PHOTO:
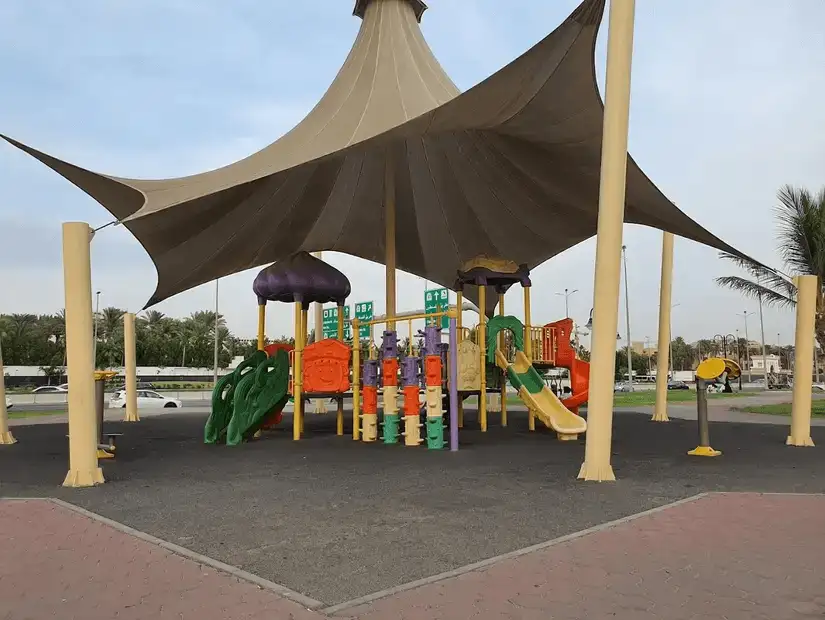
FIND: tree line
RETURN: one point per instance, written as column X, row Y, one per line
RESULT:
column 40, row 340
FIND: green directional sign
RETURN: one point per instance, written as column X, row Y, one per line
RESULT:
column 437, row 300
column 330, row 323
column 363, row 312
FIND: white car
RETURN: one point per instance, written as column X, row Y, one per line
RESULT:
column 9, row 404
column 146, row 399
column 51, row 389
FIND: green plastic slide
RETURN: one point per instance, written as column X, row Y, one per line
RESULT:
column 245, row 399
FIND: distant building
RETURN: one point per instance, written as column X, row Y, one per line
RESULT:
column 772, row 361
column 639, row 347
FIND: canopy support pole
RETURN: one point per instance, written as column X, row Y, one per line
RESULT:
column 663, row 345
column 389, row 241
column 6, row 438
column 807, row 293
column 77, row 277
column 130, row 355
column 613, row 179
column 501, row 341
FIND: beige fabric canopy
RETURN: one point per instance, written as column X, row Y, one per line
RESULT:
column 509, row 168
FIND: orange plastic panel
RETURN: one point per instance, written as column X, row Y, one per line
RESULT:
column 563, row 351
column 370, row 402
column 326, row 367
column 411, row 404
column 390, row 371
column 432, row 369
column 270, row 349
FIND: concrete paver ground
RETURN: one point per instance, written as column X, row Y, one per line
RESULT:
column 336, row 519
column 734, row 556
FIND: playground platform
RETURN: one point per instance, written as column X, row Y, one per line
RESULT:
column 334, row 521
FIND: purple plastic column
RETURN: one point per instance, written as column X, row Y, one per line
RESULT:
column 370, row 373
column 409, row 371
column 453, row 387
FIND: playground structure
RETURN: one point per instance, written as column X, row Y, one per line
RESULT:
column 408, row 146
column 253, row 396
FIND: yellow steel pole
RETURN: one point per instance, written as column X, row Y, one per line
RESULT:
column 528, row 349
column 6, row 438
column 596, row 465
column 340, row 326
column 663, row 346
column 297, row 375
column 261, row 326
column 806, row 297
column 318, row 312
column 482, row 346
column 356, row 380
column 389, row 241
column 77, row 277
column 304, row 338
column 130, row 355
column 503, row 376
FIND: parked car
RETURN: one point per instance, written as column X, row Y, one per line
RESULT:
column 147, row 399
column 677, row 385
column 51, row 389
column 9, row 404
column 622, row 387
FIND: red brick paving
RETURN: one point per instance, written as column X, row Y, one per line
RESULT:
column 721, row 556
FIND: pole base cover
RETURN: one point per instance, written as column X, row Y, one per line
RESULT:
column 704, row 451
column 6, row 438
column 79, row 479
column 791, row 441
column 596, row 473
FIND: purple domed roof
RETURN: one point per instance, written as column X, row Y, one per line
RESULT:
column 301, row 277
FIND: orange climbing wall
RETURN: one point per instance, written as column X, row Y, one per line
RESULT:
column 326, row 366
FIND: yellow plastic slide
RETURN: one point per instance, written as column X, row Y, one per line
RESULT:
column 539, row 398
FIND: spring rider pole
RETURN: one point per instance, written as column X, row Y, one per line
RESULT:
column 412, row 405
column 389, row 379
column 433, row 369
column 369, row 408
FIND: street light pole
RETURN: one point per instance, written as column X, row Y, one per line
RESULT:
column 94, row 337
column 764, row 353
column 670, row 344
column 745, row 314
column 627, row 317
column 567, row 293
column 215, row 370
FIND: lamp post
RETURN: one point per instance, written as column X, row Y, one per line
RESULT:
column 94, row 337
column 764, row 353
column 566, row 294
column 745, row 314
column 627, row 319
column 670, row 344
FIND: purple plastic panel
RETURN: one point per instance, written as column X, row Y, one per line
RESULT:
column 301, row 277
column 389, row 345
column 432, row 340
column 370, row 373
column 409, row 371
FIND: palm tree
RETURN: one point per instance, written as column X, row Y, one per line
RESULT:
column 801, row 225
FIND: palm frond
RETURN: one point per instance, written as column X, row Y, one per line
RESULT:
column 756, row 290
column 801, row 223
column 767, row 277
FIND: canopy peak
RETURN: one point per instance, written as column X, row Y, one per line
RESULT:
column 361, row 6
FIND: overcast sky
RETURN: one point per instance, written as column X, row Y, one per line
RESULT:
column 727, row 106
